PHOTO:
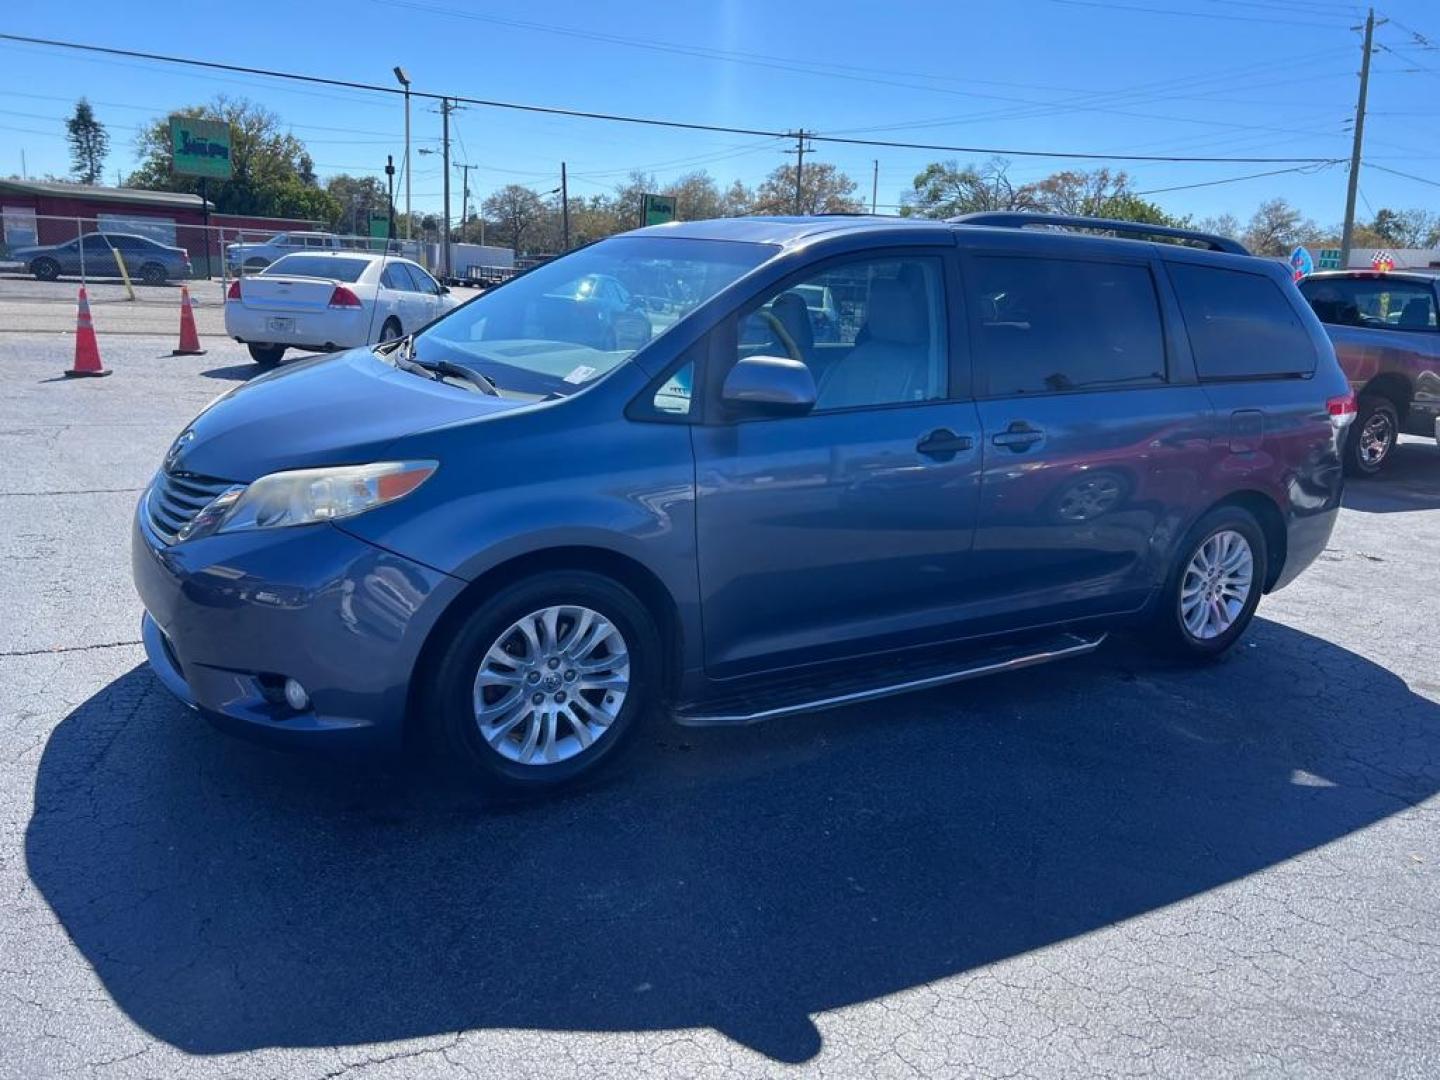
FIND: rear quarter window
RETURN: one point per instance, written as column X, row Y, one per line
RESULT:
column 1241, row 325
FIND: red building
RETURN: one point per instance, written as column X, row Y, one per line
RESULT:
column 47, row 212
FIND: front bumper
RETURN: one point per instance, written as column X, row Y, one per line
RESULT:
column 229, row 617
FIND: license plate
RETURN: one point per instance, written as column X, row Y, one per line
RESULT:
column 280, row 326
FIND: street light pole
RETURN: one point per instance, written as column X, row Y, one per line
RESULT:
column 405, row 82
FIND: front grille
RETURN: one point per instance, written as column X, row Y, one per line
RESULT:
column 175, row 499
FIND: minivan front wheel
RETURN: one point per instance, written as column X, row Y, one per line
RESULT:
column 545, row 681
column 1215, row 585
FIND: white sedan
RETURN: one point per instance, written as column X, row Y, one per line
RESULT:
column 325, row 300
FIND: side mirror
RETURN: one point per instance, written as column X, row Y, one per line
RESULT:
column 444, row 289
column 769, row 386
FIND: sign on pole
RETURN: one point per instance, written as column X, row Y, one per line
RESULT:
column 657, row 209
column 200, row 148
column 1329, row 259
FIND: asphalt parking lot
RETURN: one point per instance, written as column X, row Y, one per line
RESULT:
column 1113, row 867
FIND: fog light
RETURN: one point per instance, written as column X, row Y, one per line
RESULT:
column 295, row 696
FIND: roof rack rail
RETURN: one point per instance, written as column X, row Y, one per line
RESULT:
column 1008, row 219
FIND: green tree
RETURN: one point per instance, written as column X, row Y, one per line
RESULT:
column 697, row 196
column 356, row 198
column 1276, row 228
column 1406, row 228
column 824, row 189
column 89, row 143
column 274, row 176
column 946, row 189
column 516, row 214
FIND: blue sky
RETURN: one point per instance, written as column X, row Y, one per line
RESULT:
column 1191, row 77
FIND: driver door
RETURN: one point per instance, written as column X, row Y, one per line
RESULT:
column 847, row 529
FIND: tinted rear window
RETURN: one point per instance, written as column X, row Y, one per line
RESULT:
column 1045, row 326
column 1241, row 325
column 1378, row 303
column 317, row 266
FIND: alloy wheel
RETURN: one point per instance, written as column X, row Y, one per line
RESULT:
column 1216, row 584
column 551, row 685
column 1376, row 438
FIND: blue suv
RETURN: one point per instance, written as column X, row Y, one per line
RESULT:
column 515, row 535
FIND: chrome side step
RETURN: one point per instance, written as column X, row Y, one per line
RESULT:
column 1060, row 647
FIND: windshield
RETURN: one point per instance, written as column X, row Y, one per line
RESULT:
column 329, row 267
column 568, row 322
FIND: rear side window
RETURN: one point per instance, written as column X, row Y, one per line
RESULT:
column 1241, row 325
column 1046, row 326
column 1377, row 303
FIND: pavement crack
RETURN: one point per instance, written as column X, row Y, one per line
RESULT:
column 70, row 649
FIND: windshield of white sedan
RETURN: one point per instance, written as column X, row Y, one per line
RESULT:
column 317, row 266
column 568, row 322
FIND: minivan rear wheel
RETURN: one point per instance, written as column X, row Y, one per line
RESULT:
column 545, row 681
column 1214, row 587
column 1371, row 438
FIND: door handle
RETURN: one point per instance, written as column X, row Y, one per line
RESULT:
column 943, row 444
column 1019, row 438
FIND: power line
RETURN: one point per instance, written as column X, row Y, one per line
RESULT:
column 1406, row 175
column 1231, row 180
column 1192, row 14
column 642, row 120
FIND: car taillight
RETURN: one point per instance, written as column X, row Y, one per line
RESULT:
column 234, row 292
column 1341, row 409
column 343, row 298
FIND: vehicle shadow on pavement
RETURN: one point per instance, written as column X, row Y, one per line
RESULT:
column 231, row 898
column 1409, row 481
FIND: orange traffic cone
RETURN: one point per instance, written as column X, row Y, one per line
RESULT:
column 87, row 349
column 189, row 337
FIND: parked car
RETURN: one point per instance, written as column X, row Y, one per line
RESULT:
column 603, row 313
column 497, row 535
column 1385, row 334
column 331, row 301
column 94, row 256
column 240, row 257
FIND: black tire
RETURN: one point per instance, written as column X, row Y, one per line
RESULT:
column 391, row 330
column 267, row 356
column 153, row 274
column 45, row 269
column 1370, row 442
column 1170, row 632
column 449, row 698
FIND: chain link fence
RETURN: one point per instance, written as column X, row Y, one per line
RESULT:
column 44, row 258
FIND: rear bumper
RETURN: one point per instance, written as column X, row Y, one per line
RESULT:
column 228, row 618
column 307, row 330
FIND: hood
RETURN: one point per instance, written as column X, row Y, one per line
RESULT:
column 343, row 409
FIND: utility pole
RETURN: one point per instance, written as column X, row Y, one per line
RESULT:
column 445, row 162
column 465, row 196
column 390, row 181
column 799, row 171
column 1349, row 231
column 875, row 187
column 564, row 208
column 405, row 82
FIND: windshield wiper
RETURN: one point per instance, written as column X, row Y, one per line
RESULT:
column 403, row 356
column 455, row 370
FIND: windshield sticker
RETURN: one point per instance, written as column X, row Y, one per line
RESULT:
column 580, row 374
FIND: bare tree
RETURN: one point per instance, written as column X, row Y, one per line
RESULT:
column 945, row 189
column 517, row 213
column 824, row 189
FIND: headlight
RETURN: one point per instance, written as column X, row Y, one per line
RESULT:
column 305, row 496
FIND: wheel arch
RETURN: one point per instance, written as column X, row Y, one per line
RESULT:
column 1267, row 513
column 1393, row 386
column 620, row 568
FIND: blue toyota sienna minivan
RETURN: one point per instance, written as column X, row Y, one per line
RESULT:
column 517, row 532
